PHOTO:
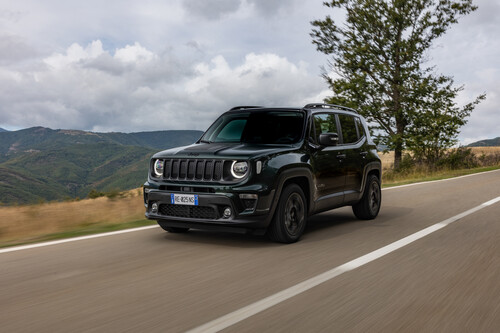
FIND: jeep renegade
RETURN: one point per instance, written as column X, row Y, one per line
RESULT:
column 266, row 170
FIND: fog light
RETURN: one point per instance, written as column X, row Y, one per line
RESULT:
column 154, row 207
column 227, row 212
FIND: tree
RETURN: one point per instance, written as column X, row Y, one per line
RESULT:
column 377, row 65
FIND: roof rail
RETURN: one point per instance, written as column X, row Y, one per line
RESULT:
column 243, row 107
column 328, row 106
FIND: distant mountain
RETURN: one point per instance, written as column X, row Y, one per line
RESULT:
column 3, row 130
column 43, row 164
column 486, row 143
column 41, row 138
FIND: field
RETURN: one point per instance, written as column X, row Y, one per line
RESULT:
column 31, row 223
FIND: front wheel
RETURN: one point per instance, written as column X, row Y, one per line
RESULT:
column 369, row 205
column 290, row 218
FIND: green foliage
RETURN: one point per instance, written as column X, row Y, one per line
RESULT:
column 459, row 158
column 377, row 66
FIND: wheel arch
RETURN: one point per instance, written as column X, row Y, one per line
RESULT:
column 301, row 176
column 372, row 168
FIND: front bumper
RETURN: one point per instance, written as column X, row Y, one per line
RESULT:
column 209, row 213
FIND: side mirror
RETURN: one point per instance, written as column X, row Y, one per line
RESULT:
column 328, row 139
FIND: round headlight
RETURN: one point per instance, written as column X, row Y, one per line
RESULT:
column 158, row 167
column 239, row 169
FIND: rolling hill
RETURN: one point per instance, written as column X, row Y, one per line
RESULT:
column 40, row 164
column 3, row 130
column 486, row 143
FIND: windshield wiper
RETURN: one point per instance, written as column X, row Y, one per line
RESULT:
column 205, row 141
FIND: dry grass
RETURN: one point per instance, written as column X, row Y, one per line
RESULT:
column 388, row 158
column 28, row 223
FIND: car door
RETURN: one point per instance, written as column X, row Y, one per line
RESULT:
column 327, row 162
column 353, row 144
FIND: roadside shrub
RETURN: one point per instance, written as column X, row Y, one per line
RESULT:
column 459, row 158
column 451, row 159
column 112, row 194
column 95, row 194
column 489, row 160
column 408, row 164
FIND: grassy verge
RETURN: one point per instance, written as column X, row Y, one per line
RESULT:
column 56, row 220
column 438, row 175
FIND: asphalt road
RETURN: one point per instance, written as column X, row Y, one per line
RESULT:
column 153, row 281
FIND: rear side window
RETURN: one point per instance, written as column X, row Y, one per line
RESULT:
column 359, row 125
column 349, row 131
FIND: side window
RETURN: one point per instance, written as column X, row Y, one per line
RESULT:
column 349, row 131
column 359, row 126
column 324, row 123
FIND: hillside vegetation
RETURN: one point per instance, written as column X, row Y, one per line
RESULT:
column 486, row 143
column 39, row 164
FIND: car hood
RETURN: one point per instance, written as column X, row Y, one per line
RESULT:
column 224, row 150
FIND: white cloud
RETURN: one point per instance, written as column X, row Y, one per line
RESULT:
column 87, row 87
column 263, row 79
column 74, row 54
column 134, row 53
column 134, row 66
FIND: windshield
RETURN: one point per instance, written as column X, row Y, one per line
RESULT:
column 260, row 127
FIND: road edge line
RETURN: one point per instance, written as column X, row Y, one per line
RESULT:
column 74, row 239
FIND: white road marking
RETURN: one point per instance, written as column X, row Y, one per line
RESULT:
column 259, row 306
column 31, row 246
column 74, row 239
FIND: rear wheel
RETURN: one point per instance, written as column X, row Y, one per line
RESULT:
column 290, row 218
column 369, row 205
column 174, row 230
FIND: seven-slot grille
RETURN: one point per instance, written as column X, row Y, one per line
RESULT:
column 193, row 169
column 196, row 212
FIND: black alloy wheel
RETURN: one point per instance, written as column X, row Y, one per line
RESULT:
column 369, row 205
column 290, row 217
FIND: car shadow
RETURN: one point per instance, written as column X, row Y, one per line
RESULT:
column 327, row 225
column 215, row 238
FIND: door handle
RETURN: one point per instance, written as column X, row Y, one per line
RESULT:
column 363, row 153
column 341, row 156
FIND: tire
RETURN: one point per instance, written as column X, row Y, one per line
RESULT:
column 290, row 217
column 369, row 205
column 174, row 230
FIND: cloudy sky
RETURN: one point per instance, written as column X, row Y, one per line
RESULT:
column 150, row 65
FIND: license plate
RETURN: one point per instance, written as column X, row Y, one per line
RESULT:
column 184, row 199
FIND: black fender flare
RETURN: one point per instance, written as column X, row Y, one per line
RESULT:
column 375, row 165
column 288, row 174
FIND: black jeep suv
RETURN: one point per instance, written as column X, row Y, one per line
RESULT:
column 266, row 170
